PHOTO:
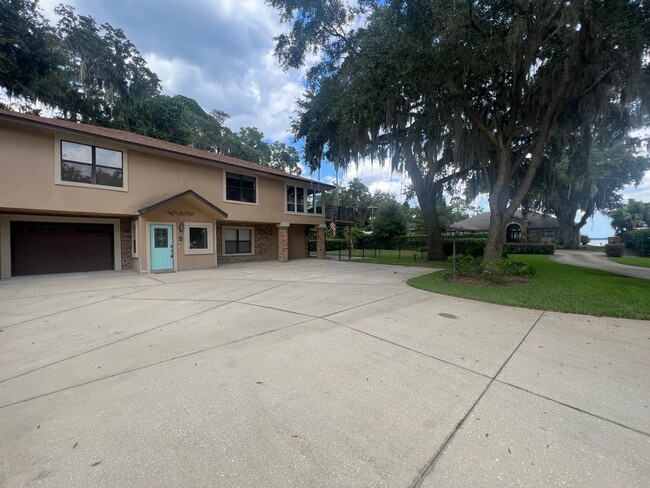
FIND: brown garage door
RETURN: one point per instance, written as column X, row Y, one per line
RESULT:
column 57, row 247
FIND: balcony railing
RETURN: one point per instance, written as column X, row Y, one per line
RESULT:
column 338, row 213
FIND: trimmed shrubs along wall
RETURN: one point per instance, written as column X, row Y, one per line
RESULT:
column 529, row 248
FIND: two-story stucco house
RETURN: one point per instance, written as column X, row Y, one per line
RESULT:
column 76, row 197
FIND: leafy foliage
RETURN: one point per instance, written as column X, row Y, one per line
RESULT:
column 91, row 72
column 614, row 250
column 629, row 216
column 390, row 221
column 493, row 272
column 441, row 86
column 639, row 240
column 29, row 53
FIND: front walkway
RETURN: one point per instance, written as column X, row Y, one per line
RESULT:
column 311, row 374
column 596, row 260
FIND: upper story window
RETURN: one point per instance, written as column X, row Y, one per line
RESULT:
column 314, row 201
column 241, row 188
column 81, row 163
column 300, row 200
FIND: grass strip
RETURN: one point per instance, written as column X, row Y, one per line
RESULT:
column 633, row 261
column 556, row 287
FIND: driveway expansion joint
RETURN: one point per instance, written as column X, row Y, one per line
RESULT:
column 429, row 467
column 573, row 407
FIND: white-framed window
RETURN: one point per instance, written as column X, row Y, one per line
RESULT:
column 314, row 201
column 134, row 239
column 240, row 188
column 301, row 200
column 91, row 165
column 238, row 240
column 198, row 238
column 549, row 233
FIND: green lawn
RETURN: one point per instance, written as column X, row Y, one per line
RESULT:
column 633, row 261
column 556, row 287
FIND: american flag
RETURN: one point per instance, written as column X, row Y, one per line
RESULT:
column 333, row 226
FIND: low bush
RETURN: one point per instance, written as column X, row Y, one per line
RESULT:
column 584, row 239
column 466, row 266
column 529, row 248
column 517, row 268
column 614, row 250
column 488, row 271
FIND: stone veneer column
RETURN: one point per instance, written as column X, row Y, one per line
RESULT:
column 321, row 251
column 283, row 242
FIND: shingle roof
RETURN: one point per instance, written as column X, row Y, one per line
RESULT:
column 481, row 222
column 138, row 140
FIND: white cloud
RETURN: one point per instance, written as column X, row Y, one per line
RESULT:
column 641, row 192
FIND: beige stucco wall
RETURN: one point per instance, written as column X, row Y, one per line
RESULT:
column 30, row 183
column 30, row 162
column 298, row 241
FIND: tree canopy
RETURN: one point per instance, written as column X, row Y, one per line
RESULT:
column 443, row 87
column 90, row 72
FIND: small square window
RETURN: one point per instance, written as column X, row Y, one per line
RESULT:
column 198, row 238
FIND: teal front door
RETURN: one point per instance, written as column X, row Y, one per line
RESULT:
column 162, row 247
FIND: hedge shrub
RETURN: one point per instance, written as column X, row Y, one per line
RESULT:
column 614, row 250
column 639, row 240
column 472, row 246
column 529, row 248
column 336, row 244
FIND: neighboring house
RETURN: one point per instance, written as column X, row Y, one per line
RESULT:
column 76, row 197
column 536, row 228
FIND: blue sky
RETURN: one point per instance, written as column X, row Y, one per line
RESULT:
column 220, row 52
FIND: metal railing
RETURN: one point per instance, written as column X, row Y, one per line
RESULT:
column 338, row 213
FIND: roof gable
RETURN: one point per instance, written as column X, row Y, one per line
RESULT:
column 191, row 196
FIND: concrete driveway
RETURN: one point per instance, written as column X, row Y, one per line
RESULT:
column 597, row 260
column 311, row 373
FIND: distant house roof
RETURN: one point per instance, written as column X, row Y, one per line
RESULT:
column 481, row 222
column 150, row 143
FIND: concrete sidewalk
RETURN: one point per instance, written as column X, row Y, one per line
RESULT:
column 311, row 373
column 596, row 260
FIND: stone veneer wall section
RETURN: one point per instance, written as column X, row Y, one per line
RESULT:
column 263, row 243
column 320, row 243
column 125, row 238
column 283, row 243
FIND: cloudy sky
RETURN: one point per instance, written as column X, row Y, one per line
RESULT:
column 220, row 53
